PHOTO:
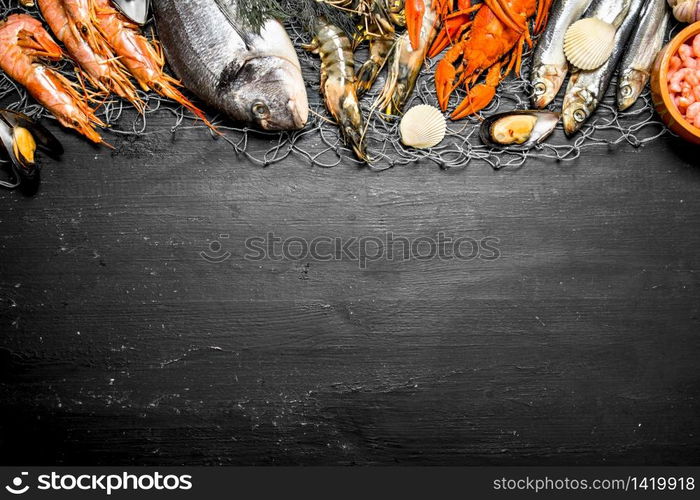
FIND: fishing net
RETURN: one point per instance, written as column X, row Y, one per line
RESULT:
column 319, row 143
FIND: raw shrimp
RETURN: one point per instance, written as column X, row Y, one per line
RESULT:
column 143, row 59
column 23, row 44
column 338, row 83
column 89, row 50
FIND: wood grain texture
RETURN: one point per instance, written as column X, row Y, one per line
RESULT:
column 119, row 344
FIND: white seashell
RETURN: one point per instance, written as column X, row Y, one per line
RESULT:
column 423, row 127
column 589, row 42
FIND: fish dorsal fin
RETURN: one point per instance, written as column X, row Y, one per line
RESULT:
column 231, row 18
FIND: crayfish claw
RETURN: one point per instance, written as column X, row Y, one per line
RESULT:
column 479, row 97
column 415, row 10
column 448, row 74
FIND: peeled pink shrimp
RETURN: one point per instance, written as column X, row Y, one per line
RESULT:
column 693, row 111
column 683, row 103
column 685, row 51
column 686, row 54
column 684, row 80
column 674, row 65
column 677, row 78
column 696, row 45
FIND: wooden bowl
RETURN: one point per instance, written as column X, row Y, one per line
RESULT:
column 659, row 87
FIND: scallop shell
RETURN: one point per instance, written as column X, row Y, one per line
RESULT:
column 423, row 127
column 589, row 42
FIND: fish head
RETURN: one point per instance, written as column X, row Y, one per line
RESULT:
column 546, row 82
column 579, row 105
column 270, row 92
column 631, row 84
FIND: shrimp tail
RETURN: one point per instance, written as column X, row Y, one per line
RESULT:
column 166, row 87
column 120, row 84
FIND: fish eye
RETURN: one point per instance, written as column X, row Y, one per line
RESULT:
column 626, row 91
column 579, row 115
column 84, row 29
column 540, row 88
column 260, row 109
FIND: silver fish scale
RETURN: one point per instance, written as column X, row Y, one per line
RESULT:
column 610, row 11
column 648, row 37
column 202, row 38
column 230, row 67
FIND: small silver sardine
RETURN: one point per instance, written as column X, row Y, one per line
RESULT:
column 549, row 64
column 252, row 77
column 611, row 11
column 587, row 88
column 646, row 42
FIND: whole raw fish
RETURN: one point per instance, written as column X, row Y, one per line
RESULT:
column 587, row 88
column 252, row 77
column 646, row 42
column 549, row 64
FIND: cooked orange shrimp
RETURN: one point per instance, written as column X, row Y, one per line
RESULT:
column 23, row 43
column 143, row 59
column 89, row 49
column 79, row 12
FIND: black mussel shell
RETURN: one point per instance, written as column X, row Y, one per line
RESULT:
column 24, row 169
column 15, row 127
column 45, row 140
column 546, row 122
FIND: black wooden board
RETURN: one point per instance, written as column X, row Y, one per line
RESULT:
column 120, row 344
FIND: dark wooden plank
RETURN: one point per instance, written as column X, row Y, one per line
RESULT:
column 120, row 344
